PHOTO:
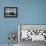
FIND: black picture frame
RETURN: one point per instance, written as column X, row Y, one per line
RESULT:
column 11, row 12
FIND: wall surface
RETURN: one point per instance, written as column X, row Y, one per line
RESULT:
column 29, row 12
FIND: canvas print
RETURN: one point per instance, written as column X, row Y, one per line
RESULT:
column 10, row 11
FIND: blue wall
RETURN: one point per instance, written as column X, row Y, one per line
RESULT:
column 29, row 12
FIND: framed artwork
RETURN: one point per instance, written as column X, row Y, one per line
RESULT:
column 10, row 11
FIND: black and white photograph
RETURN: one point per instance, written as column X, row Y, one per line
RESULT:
column 10, row 11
